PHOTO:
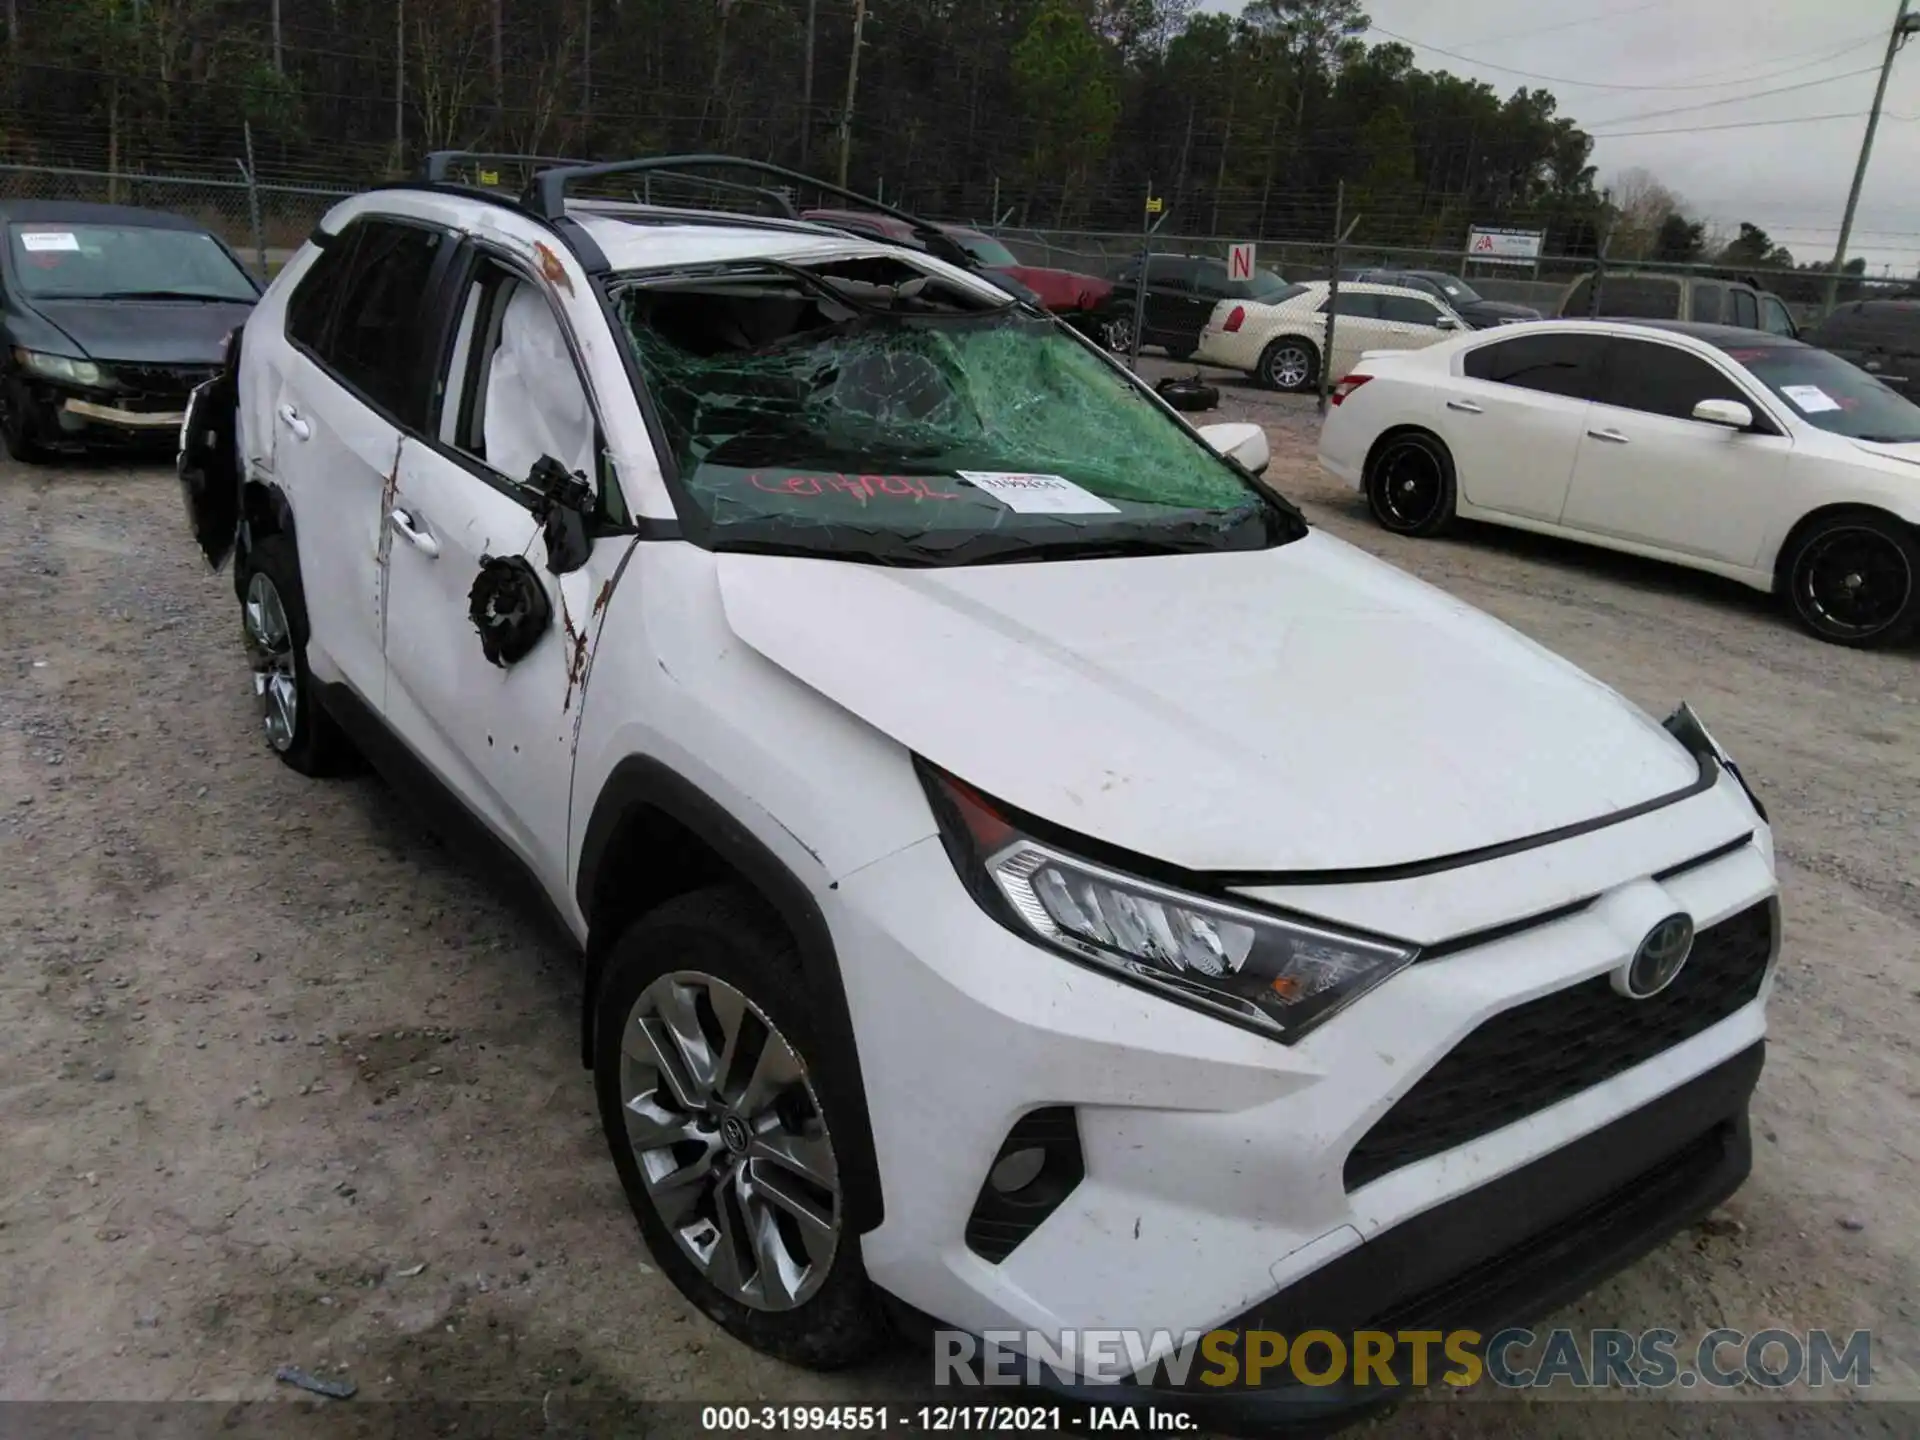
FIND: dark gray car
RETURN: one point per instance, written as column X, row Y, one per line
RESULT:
column 110, row 315
column 1472, row 307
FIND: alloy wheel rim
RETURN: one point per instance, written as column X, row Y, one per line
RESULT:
column 1853, row 582
column 1410, row 485
column 1119, row 335
column 1290, row 367
column 729, row 1140
column 270, row 649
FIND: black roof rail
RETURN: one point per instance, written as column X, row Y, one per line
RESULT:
column 729, row 187
column 546, row 195
column 434, row 169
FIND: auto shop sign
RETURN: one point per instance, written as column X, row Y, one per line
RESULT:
column 1504, row 247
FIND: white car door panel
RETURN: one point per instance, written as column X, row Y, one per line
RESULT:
column 1650, row 473
column 1514, row 419
column 502, row 736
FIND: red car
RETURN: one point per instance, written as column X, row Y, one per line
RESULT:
column 1064, row 292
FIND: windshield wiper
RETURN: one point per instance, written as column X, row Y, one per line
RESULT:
column 154, row 295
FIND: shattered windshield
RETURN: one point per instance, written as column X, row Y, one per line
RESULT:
column 869, row 410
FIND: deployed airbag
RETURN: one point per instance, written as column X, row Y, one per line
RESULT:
column 536, row 404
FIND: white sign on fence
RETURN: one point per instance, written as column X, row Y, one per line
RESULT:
column 1504, row 247
column 1240, row 262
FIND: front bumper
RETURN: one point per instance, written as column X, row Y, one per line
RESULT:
column 1215, row 1158
column 1506, row 1254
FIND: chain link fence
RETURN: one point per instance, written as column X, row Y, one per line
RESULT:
column 267, row 219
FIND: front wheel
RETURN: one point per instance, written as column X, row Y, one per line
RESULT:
column 1117, row 335
column 1288, row 364
column 723, row 1128
column 19, row 425
column 1410, row 485
column 1854, row 579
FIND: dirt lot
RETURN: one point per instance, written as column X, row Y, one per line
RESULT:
column 266, row 1050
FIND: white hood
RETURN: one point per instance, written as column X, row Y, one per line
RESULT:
column 1301, row 708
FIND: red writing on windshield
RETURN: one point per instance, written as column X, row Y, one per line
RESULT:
column 908, row 487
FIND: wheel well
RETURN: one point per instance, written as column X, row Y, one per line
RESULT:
column 1784, row 557
column 649, row 858
column 1306, row 340
column 264, row 510
column 1394, row 433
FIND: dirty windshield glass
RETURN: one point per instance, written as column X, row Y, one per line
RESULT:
column 1826, row 391
column 56, row 261
column 865, row 409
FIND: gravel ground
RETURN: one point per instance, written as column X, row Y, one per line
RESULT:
column 284, row 1083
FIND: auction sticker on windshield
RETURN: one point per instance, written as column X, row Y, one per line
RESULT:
column 1810, row 398
column 1038, row 494
column 49, row 240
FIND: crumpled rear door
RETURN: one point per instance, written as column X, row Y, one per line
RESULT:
column 209, row 462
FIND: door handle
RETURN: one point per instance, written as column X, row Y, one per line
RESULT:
column 405, row 527
column 1466, row 407
column 290, row 418
column 1612, row 437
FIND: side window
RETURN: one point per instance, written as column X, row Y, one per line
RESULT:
column 1210, row 282
column 1168, row 272
column 515, row 393
column 311, row 306
column 375, row 341
column 1359, row 304
column 1775, row 319
column 1578, row 299
column 1567, row 365
column 1742, row 309
column 1706, row 303
column 1405, row 310
column 1663, row 379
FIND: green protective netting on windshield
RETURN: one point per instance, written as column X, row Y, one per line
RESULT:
column 915, row 401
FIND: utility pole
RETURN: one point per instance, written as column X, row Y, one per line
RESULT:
column 806, row 89
column 853, row 81
column 1904, row 24
column 279, row 68
column 399, row 84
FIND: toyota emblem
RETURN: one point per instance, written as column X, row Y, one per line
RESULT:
column 1659, row 959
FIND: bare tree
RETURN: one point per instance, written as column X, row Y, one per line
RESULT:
column 1644, row 204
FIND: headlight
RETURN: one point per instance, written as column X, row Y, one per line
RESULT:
column 59, row 367
column 1264, row 971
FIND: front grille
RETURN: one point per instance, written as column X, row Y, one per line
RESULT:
column 159, row 387
column 1540, row 1053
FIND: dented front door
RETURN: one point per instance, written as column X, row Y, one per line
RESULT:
column 500, row 735
column 209, row 460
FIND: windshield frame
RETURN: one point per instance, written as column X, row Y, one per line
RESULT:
column 967, row 241
column 14, row 248
column 692, row 521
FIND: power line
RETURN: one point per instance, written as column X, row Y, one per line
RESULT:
column 1694, row 84
column 1562, row 25
column 1734, row 125
column 1734, row 99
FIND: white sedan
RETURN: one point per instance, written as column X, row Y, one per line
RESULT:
column 1735, row 451
column 1284, row 343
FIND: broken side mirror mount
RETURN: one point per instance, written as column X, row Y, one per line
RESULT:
column 563, row 505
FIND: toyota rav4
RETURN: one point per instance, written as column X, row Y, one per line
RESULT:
column 1026, row 875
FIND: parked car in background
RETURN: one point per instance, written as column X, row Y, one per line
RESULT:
column 1067, row 293
column 110, row 316
column 1750, row 455
column 1703, row 299
column 1455, row 294
column 1182, row 291
column 1882, row 337
column 1283, row 343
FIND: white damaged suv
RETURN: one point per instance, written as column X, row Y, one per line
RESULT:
column 1026, row 875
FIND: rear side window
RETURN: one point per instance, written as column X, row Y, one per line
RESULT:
column 1775, row 318
column 1358, row 304
column 375, row 338
column 1567, row 365
column 311, row 306
column 1742, row 310
column 1634, row 297
column 1579, row 299
column 1661, row 379
column 1706, row 303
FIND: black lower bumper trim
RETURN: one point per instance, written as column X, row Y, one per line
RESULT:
column 1509, row 1252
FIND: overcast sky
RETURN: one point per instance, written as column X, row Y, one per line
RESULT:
column 1683, row 66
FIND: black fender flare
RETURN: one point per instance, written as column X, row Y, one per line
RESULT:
column 642, row 783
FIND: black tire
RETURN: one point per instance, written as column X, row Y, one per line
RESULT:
column 1116, row 334
column 727, row 934
column 313, row 744
column 1854, row 579
column 1410, row 484
column 1289, row 363
column 19, row 426
column 1180, row 353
